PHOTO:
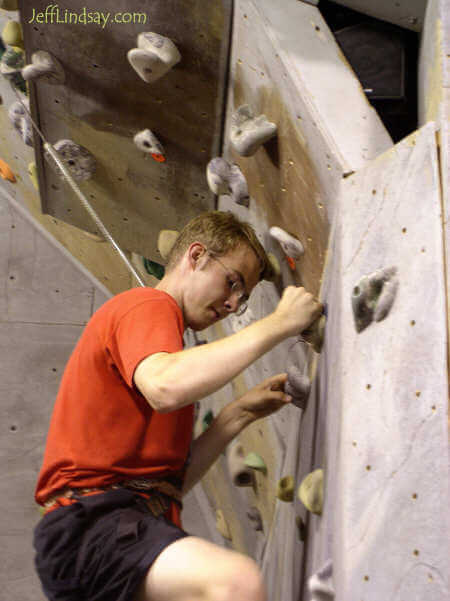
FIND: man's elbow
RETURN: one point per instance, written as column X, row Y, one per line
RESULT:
column 158, row 396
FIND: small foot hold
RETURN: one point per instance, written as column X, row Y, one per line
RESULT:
column 298, row 386
column 256, row 462
column 166, row 241
column 146, row 141
column 255, row 518
column 240, row 474
column 285, row 489
column 21, row 121
column 321, row 583
column 32, row 172
column 248, row 132
column 291, row 246
column 12, row 34
column 226, row 178
column 153, row 268
column 78, row 160
column 301, row 527
column 207, row 420
column 315, row 334
column 44, row 66
column 154, row 56
column 276, row 268
column 373, row 297
column 222, row 526
column 6, row 172
column 310, row 491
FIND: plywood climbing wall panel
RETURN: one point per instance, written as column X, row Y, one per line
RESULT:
column 104, row 103
column 383, row 442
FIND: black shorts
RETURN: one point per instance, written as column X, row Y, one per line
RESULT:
column 100, row 548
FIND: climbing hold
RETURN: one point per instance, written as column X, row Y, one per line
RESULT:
column 275, row 265
column 298, row 386
column 285, row 490
column 13, row 60
column 291, row 246
column 44, row 65
column 32, row 172
column 310, row 491
column 320, row 584
column 154, row 56
column 291, row 263
column 6, row 172
column 373, row 297
column 21, row 121
column 153, row 268
column 224, row 178
column 254, row 516
column 207, row 420
column 146, row 141
column 9, row 4
column 301, row 528
column 256, row 462
column 240, row 474
column 166, row 240
column 12, row 34
column 315, row 334
column 248, row 132
column 222, row 526
column 77, row 159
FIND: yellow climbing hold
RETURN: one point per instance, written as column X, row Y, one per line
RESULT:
column 285, row 490
column 12, row 34
column 256, row 462
column 166, row 240
column 222, row 526
column 310, row 491
column 275, row 264
column 32, row 172
column 6, row 172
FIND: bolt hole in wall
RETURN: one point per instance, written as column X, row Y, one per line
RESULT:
column 385, row 59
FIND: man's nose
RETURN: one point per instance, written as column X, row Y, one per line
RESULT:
column 232, row 303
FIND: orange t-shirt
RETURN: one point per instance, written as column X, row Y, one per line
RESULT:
column 102, row 429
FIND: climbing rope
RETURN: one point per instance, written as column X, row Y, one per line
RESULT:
column 84, row 201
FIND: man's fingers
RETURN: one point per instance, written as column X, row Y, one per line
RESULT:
column 276, row 381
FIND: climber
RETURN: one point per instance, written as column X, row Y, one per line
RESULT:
column 119, row 454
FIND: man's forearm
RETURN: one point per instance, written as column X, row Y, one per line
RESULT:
column 207, row 447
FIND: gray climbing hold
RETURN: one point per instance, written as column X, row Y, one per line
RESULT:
column 291, row 246
column 256, row 462
column 315, row 334
column 226, row 178
column 298, row 386
column 44, row 66
column 248, row 132
column 78, row 160
column 166, row 240
column 373, row 297
column 240, row 474
column 21, row 121
column 146, row 141
column 310, row 491
column 154, row 56
column 285, row 489
column 255, row 518
column 320, row 584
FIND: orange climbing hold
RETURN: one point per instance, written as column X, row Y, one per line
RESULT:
column 291, row 262
column 158, row 157
column 6, row 172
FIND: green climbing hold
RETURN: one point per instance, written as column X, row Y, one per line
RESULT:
column 154, row 269
column 207, row 419
column 285, row 490
column 256, row 462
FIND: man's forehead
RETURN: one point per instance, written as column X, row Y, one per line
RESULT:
column 245, row 262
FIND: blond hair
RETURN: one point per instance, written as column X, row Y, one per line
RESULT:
column 220, row 232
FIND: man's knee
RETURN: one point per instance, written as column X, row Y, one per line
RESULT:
column 245, row 583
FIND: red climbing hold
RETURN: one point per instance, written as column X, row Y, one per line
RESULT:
column 291, row 262
column 158, row 157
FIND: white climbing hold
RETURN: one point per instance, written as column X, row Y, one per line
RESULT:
column 146, row 141
column 222, row 526
column 248, row 132
column 79, row 161
column 166, row 240
column 291, row 246
column 226, row 178
column 154, row 56
column 321, row 585
column 21, row 121
column 241, row 475
column 310, row 491
column 298, row 386
column 44, row 66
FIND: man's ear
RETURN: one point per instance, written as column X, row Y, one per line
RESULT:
column 196, row 253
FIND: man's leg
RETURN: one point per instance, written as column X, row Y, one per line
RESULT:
column 193, row 569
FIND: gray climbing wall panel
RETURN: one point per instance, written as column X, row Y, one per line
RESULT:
column 104, row 103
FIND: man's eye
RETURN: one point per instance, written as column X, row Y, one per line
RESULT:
column 230, row 283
